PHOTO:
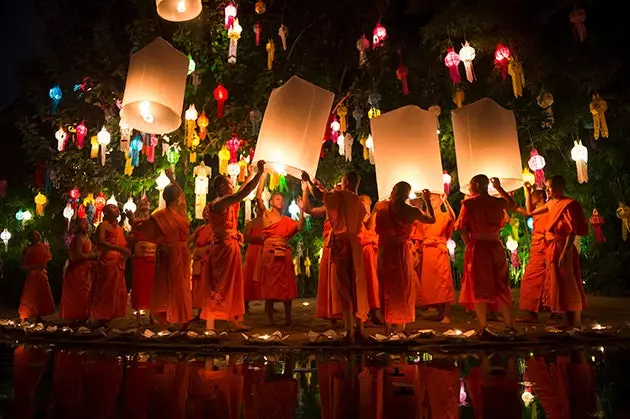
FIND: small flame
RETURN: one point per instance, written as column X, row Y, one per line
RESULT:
column 598, row 326
column 145, row 111
column 306, row 304
column 264, row 337
column 181, row 6
column 458, row 332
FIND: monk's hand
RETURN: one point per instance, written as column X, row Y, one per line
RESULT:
column 169, row 174
column 305, row 177
column 260, row 166
column 444, row 197
column 304, row 186
column 496, row 183
column 426, row 195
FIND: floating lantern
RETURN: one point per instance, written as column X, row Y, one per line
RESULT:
column 512, row 246
column 68, row 213
column 446, row 179
column 579, row 154
column 40, row 203
column 234, row 33
column 220, row 95
column 81, row 133
column 399, row 137
column 598, row 108
column 5, row 236
column 486, row 142
column 623, row 213
column 233, row 145
column 501, row 59
column 537, row 163
column 162, row 182
column 202, row 173
column 257, row 32
column 271, row 53
column 154, row 91
column 191, row 117
column 363, row 45
column 379, row 35
column 202, row 123
column 61, row 137
column 230, row 15
column 55, row 95
column 178, row 10
column 283, row 32
column 578, row 17
column 260, row 7
column 467, row 55
column 528, row 177
column 597, row 222
column 451, row 245
column 104, row 138
column 452, row 62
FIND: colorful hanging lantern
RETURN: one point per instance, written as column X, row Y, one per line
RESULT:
column 230, row 15
column 173, row 154
column 458, row 97
column 623, row 213
column 578, row 17
column 162, row 182
column 452, row 62
column 271, row 53
column 243, row 165
column 103, row 138
column 5, row 236
column 99, row 204
column 81, row 133
column 342, row 113
column 341, row 143
column 379, row 35
column 220, row 95
column 233, row 170
column 467, row 55
column 233, row 145
column 528, row 177
column 202, row 123
column 74, row 195
column 537, row 163
column 401, row 74
column 68, row 213
column 61, row 137
column 153, row 142
column 125, row 136
column 255, row 117
column 94, row 147
column 135, row 149
column 202, row 173
column 55, row 95
column 373, row 99
column 451, row 245
column 195, row 144
column 178, row 10
column 224, row 159
column 191, row 117
column 446, row 178
column 260, row 7
column 597, row 222
column 363, row 45
column 257, row 32
column 545, row 100
column 501, row 59
column 579, row 154
column 248, row 206
column 112, row 201
column 357, row 114
column 512, row 246
column 598, row 108
column 515, row 69
column 40, row 203
column 88, row 200
column 234, row 33
column 283, row 32
column 296, row 266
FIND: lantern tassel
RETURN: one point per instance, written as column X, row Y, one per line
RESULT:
column 623, row 213
column 582, row 171
column 296, row 266
column 248, row 210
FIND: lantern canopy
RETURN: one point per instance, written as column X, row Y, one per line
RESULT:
column 407, row 148
column 486, row 142
column 154, row 92
column 178, row 10
column 293, row 126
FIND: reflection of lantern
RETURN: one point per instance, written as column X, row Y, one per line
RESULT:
column 104, row 138
column 467, row 55
column 399, row 137
column 446, row 179
column 178, row 10
column 537, row 163
column 451, row 245
column 379, row 35
column 452, row 62
column 154, row 91
column 5, row 236
column 162, row 182
column 362, row 45
column 486, row 142
column 528, row 177
column 61, row 137
column 579, row 154
column 234, row 33
column 40, row 203
column 501, row 59
column 577, row 17
column 233, row 145
column 597, row 222
column 291, row 130
column 220, row 95
column 230, row 15
column 55, row 95
column 81, row 133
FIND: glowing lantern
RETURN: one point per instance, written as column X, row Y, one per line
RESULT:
column 623, row 213
column 173, row 154
column 192, row 65
column 527, row 398
column 233, row 145
column 579, row 154
column 467, row 55
column 379, row 35
column 61, row 137
column 81, row 133
column 103, row 138
column 346, row 145
column 451, row 245
column 234, row 33
column 130, row 206
column 224, row 159
column 342, row 113
column 5, row 236
column 362, row 45
column 486, row 142
column 99, row 204
column 530, row 223
column 271, row 53
column 230, row 15
column 446, row 179
column 202, row 174
column 294, row 210
column 401, row 74
column 452, row 62
column 283, row 32
column 153, row 142
column 40, row 203
column 598, row 108
column 248, row 206
column 74, row 195
column 400, row 136
column 369, row 146
column 202, row 123
column 501, row 59
column 112, row 201
column 244, row 165
column 291, row 130
column 191, row 116
column 512, row 246
column 537, row 163
column 515, row 69
column 154, row 91
column 125, row 136
column 255, row 117
column 233, row 170
column 178, row 10
column 55, row 95
column 577, row 17
column 335, row 126
column 528, row 177
column 220, row 95
column 260, row 7
column 597, row 222
column 68, row 213
column 162, row 182
column 257, row 32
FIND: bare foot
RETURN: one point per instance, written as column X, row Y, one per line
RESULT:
column 239, row 327
column 445, row 320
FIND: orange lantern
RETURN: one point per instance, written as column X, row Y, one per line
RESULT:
column 178, row 10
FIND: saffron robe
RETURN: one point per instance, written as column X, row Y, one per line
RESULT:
column 37, row 299
column 109, row 291
column 67, row 389
column 136, row 391
column 268, row 396
column 564, row 290
column 401, row 392
column 169, row 390
column 324, row 309
column 346, row 212
column 535, row 271
column 485, row 276
column 142, row 273
column 339, row 392
column 395, row 265
column 200, row 267
column 225, row 299
column 494, row 395
column 369, row 245
column 252, row 288
column 77, row 281
column 435, row 285
column 275, row 270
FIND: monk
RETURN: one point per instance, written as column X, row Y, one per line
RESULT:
column 394, row 223
column 275, row 270
column 225, row 299
column 109, row 291
column 168, row 228
column 369, row 245
column 37, row 300
column 29, row 365
column 534, row 277
column 254, row 240
column 77, row 279
column 142, row 264
column 349, row 289
column 563, row 290
column 435, row 287
column 485, row 281
column 201, row 240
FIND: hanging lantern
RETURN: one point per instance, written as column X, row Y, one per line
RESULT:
column 125, row 136
column 40, row 203
column 335, row 126
column 255, row 117
column 230, row 15
column 153, row 142
column 88, row 200
column 528, row 177
column 61, row 137
column 271, row 53
column 537, row 163
column 373, row 99
column 348, row 140
column 379, row 35
column 233, row 170
column 178, row 10
column 233, row 145
column 99, row 204
column 401, row 74
column 224, row 159
column 296, row 266
column 74, row 195
column 68, row 213
column 597, row 222
column 451, row 245
column 135, row 149
column 623, row 213
column 234, row 33
column 577, row 17
column 368, row 148
column 501, row 59
column 342, row 113
column 248, row 206
column 202, row 173
column 112, row 201
column 467, row 55
column 260, row 7
column 512, row 246
column 243, row 165
column 94, row 147
column 458, row 97
column 103, row 138
column 257, row 32
column 283, row 32
column 579, row 154
column 5, row 236
column 55, row 95
column 341, row 143
column 154, row 91
column 357, row 114
column 294, row 210
column 162, row 182
column 220, row 95
column 363, row 45
column 192, row 65
column 545, row 100
column 452, row 62
column 81, row 133
column 202, row 123
column 598, row 109
column 173, row 154
column 515, row 69
column 446, row 178
column 191, row 116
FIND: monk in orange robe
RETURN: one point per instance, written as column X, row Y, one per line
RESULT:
column 349, row 289
column 201, row 239
column 435, row 286
column 169, row 389
column 394, row 224
column 254, row 240
column 67, row 389
column 102, row 382
column 77, row 279
column 37, row 300
column 142, row 263
column 225, row 300
column 485, row 281
column 563, row 290
column 369, row 245
column 275, row 270
column 171, row 301
column 109, row 291
column 534, row 277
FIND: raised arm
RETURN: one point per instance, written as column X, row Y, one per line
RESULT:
column 225, row 201
column 418, row 215
column 181, row 200
column 496, row 184
column 306, row 203
column 260, row 203
column 449, row 209
column 317, row 190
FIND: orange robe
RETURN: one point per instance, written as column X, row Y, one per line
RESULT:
column 136, row 390
column 217, row 393
column 369, row 245
column 346, row 212
column 564, row 290
column 200, row 267
column 269, row 397
column 339, row 394
column 225, row 293
column 401, row 392
column 252, row 288
column 171, row 289
column 485, row 277
column 435, row 284
column 324, row 308
column 169, row 390
column 75, row 293
column 395, row 265
column 37, row 299
column 535, row 272
column 439, row 390
column 142, row 273
column 275, row 270
column 109, row 291
column 29, row 364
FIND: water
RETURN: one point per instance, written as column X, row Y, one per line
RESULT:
column 558, row 383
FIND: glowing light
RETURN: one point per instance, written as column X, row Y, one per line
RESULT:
column 511, row 244
column 5, row 236
column 230, row 15
column 162, row 181
column 104, row 137
column 112, row 201
column 130, row 206
column 181, row 6
column 145, row 112
column 379, row 35
column 279, row 168
column 527, row 398
column 335, row 125
column 306, row 304
column 191, row 65
column 598, row 326
column 294, row 210
column 191, row 113
column 27, row 215
column 530, row 223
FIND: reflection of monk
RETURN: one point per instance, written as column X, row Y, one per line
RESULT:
column 217, row 392
column 67, row 390
column 201, row 240
column 77, row 279
column 37, row 300
column 136, row 391
column 438, row 391
column 101, row 386
column 270, row 395
column 169, row 390
column 339, row 393
column 29, row 363
column 143, row 263
column 369, row 246
column 400, row 391
column 254, row 240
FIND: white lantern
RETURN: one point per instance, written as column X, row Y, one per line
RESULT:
column 511, row 244
column 162, row 182
column 369, row 144
column 407, row 148
column 130, row 206
column 248, row 206
column 266, row 196
column 112, row 201
column 61, row 137
column 579, row 154
column 104, row 138
column 154, row 92
column 234, row 33
column 294, row 210
column 467, row 55
column 341, row 142
column 233, row 170
column 26, row 216
column 5, row 236
column 202, row 173
column 451, row 245
column 486, row 142
column 68, row 213
column 178, row 10
column 292, row 127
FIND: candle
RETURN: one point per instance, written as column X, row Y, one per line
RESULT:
column 458, row 332
column 264, row 337
column 306, row 304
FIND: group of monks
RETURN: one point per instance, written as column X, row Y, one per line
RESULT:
column 390, row 258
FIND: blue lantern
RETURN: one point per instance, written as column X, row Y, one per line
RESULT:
column 55, row 94
column 135, row 148
column 530, row 223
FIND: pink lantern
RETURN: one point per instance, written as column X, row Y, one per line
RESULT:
column 379, row 35
column 230, row 15
column 233, row 145
column 257, row 31
column 446, row 178
column 452, row 62
column 502, row 58
column 81, row 133
column 537, row 164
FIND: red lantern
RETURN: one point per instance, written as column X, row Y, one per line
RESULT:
column 452, row 62
column 401, row 74
column 220, row 95
column 230, row 15
column 502, row 59
column 99, row 204
column 74, row 194
column 537, row 164
column 379, row 35
column 257, row 31
column 81, row 133
column 233, row 145
column 446, row 178
column 597, row 221
column 81, row 212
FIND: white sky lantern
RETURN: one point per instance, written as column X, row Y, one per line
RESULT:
column 293, row 125
column 406, row 148
column 486, row 142
column 178, row 10
column 154, row 92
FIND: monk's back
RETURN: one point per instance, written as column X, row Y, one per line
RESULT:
column 442, row 227
column 390, row 224
column 486, row 213
column 174, row 227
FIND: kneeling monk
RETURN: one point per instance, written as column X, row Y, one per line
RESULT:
column 77, row 280
column 37, row 300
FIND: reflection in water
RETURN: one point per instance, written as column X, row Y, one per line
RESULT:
column 88, row 384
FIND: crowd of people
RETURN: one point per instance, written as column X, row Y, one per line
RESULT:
column 380, row 261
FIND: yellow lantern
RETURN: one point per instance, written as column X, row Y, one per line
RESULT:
column 178, row 10
column 40, row 203
column 154, row 92
column 528, row 177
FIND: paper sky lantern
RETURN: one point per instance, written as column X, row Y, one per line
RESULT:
column 486, row 142
column 5, row 236
column 154, row 92
column 292, row 127
column 406, row 148
column 178, row 10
